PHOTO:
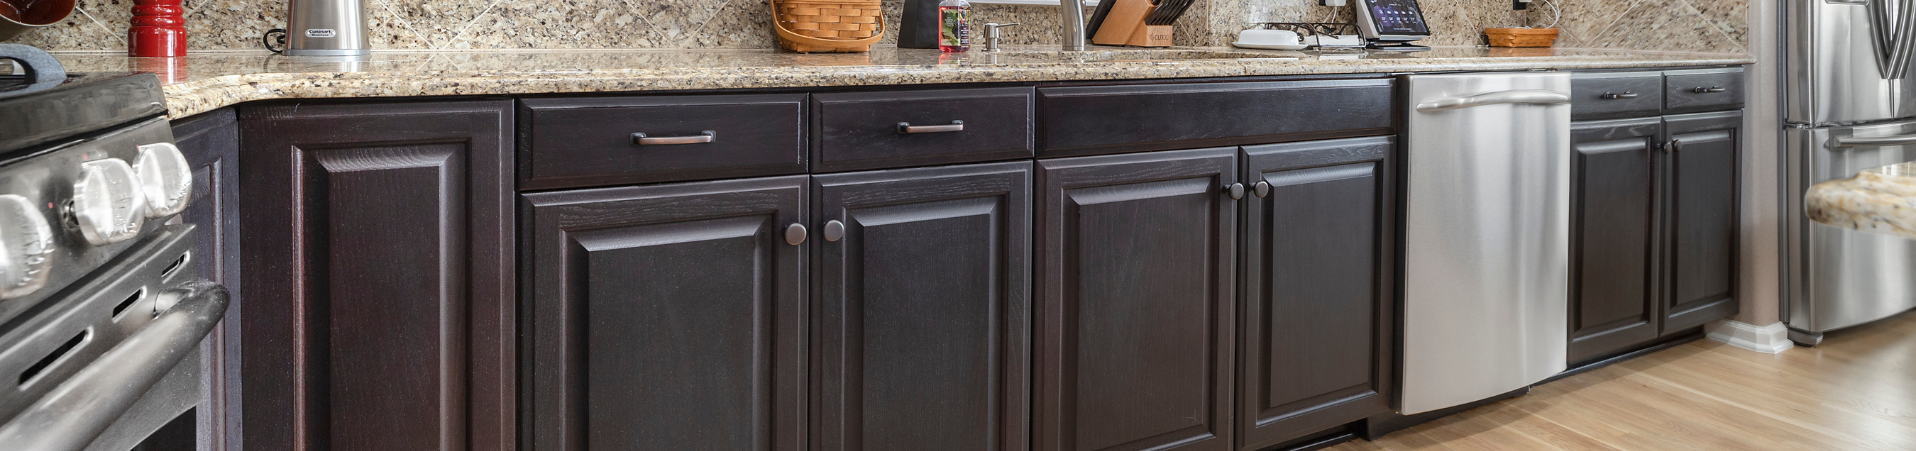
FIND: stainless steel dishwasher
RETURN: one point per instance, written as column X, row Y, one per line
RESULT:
column 1487, row 235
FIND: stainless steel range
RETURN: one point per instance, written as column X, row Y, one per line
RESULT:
column 101, row 314
column 1850, row 106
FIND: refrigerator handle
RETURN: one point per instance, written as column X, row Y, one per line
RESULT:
column 1523, row 96
column 1857, row 141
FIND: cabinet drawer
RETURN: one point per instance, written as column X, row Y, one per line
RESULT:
column 595, row 141
column 1689, row 91
column 868, row 130
column 1606, row 95
column 1109, row 119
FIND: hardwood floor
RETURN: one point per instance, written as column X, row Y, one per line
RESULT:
column 1857, row 391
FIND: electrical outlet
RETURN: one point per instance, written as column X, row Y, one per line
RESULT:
column 1519, row 4
column 1332, row 2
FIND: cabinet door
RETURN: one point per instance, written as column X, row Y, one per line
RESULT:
column 378, row 276
column 1136, row 297
column 1700, row 251
column 1317, row 331
column 667, row 317
column 1612, row 236
column 924, row 309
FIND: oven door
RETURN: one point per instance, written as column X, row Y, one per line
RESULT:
column 112, row 361
column 1840, row 277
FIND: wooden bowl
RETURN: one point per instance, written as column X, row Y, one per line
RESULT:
column 1521, row 37
column 20, row 16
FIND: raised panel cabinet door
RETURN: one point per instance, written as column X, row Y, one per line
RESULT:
column 1136, row 301
column 210, row 142
column 667, row 317
column 1613, row 236
column 1701, row 248
column 924, row 307
column 1316, row 331
column 379, row 256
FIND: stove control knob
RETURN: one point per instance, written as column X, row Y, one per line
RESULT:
column 26, row 247
column 108, row 206
column 165, row 178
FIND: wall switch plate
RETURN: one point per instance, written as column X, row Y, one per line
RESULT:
column 1332, row 2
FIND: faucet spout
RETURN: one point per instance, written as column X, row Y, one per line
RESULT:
column 1073, row 26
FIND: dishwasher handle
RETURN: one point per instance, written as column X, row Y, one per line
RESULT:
column 1520, row 96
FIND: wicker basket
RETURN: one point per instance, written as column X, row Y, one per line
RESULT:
column 1521, row 37
column 827, row 25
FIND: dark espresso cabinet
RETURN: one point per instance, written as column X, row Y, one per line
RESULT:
column 1654, row 214
column 1614, row 206
column 379, row 276
column 667, row 317
column 1700, row 244
column 1135, row 289
column 923, row 300
column 1317, row 325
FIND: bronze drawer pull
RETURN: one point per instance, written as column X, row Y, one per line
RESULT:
column 702, row 138
column 1625, row 95
column 956, row 126
column 1712, row 89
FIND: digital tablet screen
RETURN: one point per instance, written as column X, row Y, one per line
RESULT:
column 1398, row 17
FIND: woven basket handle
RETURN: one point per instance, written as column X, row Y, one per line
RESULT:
column 793, row 36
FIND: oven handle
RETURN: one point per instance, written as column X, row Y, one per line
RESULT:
column 74, row 414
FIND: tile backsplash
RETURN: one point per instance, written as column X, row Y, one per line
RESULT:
column 1673, row 25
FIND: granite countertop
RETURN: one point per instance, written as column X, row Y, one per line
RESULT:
column 1880, row 200
column 205, row 81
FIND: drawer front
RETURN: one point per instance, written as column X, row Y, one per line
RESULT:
column 868, row 130
column 593, row 141
column 1689, row 91
column 1610, row 95
column 1111, row 119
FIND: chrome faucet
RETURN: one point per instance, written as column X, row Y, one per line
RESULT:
column 1073, row 11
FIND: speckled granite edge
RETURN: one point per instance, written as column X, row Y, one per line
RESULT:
column 192, row 97
column 1881, row 200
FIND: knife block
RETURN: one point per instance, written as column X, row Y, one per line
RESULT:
column 1124, row 25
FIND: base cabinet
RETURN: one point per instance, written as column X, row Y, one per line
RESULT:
column 378, row 276
column 1317, row 328
column 923, row 299
column 667, row 317
column 1137, row 313
column 1655, row 240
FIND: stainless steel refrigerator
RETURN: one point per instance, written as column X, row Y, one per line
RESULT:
column 1849, row 105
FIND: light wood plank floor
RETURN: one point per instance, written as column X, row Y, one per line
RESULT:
column 1857, row 391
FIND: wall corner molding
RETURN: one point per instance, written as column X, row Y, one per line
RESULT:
column 1770, row 339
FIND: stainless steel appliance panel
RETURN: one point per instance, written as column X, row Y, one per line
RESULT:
column 1832, row 65
column 1486, row 253
column 1841, row 277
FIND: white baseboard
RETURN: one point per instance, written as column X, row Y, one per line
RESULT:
column 1769, row 339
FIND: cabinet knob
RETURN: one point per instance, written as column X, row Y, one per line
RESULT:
column 834, row 230
column 1261, row 189
column 1675, row 145
column 794, row 234
column 1236, row 190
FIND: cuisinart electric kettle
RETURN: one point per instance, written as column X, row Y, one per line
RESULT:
column 326, row 28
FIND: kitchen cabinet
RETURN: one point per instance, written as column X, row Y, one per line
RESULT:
column 1136, row 291
column 210, row 142
column 378, row 275
column 1654, row 214
column 1613, row 228
column 1700, row 233
column 1318, row 288
column 923, row 297
column 668, row 316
